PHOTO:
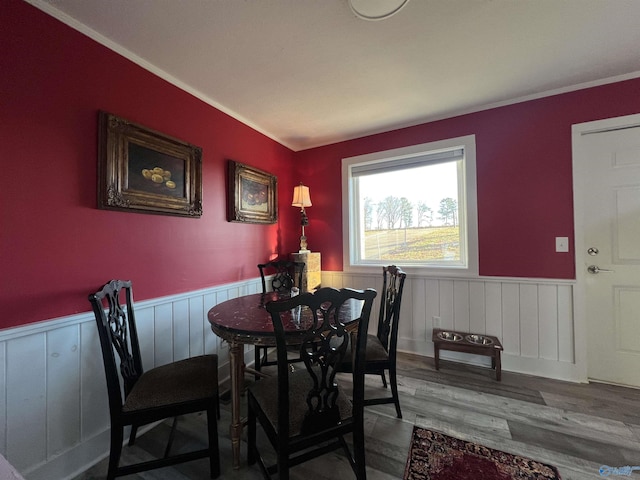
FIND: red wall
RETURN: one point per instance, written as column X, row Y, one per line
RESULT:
column 56, row 247
column 524, row 164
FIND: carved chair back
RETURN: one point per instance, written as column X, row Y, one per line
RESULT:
column 319, row 321
column 118, row 338
column 392, row 287
column 286, row 274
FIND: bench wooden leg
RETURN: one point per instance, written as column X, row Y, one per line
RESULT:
column 436, row 356
column 498, row 366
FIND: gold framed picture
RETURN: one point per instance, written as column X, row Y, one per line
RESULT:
column 252, row 196
column 142, row 170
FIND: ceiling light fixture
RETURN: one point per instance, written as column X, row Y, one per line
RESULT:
column 376, row 9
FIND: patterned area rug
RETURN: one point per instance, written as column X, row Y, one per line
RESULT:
column 435, row 456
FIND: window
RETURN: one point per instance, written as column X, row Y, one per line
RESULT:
column 414, row 207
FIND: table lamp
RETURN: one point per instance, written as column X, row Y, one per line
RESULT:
column 302, row 199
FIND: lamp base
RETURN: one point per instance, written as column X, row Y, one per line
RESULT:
column 304, row 251
column 303, row 243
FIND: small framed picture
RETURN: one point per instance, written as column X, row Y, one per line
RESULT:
column 142, row 170
column 252, row 195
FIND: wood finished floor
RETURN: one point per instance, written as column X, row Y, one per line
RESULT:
column 575, row 427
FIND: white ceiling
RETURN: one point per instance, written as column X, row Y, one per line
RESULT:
column 310, row 72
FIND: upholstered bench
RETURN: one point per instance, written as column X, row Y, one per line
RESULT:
column 467, row 343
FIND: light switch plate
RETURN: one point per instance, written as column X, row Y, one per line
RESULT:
column 562, row 244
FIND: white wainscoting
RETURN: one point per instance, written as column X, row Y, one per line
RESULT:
column 532, row 318
column 54, row 413
column 54, row 419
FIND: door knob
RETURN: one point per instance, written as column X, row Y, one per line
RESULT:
column 596, row 269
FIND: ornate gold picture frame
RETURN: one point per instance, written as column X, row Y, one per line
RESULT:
column 142, row 170
column 252, row 196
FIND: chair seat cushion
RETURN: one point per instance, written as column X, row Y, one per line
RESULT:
column 375, row 351
column 265, row 392
column 183, row 381
column 375, row 354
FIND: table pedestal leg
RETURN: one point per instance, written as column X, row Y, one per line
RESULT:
column 235, row 430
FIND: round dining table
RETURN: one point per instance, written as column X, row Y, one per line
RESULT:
column 245, row 321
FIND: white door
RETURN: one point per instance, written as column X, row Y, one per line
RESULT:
column 607, row 206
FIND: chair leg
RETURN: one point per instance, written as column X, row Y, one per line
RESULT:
column 251, row 437
column 394, row 390
column 283, row 464
column 132, row 435
column 359, row 452
column 384, row 379
column 282, row 461
column 117, row 435
column 172, row 434
column 257, row 364
column 214, row 449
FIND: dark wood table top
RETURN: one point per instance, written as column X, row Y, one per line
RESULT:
column 246, row 320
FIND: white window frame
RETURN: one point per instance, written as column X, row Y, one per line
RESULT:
column 467, row 207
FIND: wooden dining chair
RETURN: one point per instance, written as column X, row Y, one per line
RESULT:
column 284, row 275
column 310, row 413
column 138, row 397
column 382, row 347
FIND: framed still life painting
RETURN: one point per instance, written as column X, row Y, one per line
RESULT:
column 252, row 195
column 142, row 170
